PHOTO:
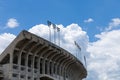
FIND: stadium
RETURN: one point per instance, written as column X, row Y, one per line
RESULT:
column 30, row 57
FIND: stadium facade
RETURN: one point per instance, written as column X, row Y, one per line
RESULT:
column 30, row 57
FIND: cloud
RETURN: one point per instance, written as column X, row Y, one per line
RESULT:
column 88, row 20
column 68, row 35
column 114, row 24
column 12, row 23
column 104, row 56
column 5, row 40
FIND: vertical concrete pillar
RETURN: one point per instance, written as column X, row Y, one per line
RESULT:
column 52, row 68
column 64, row 73
column 70, row 74
column 26, row 65
column 38, row 70
column 46, row 64
column 33, row 61
column 59, row 72
column 41, row 63
column 19, row 64
column 56, row 70
column 11, row 65
column 48, row 67
column 43, row 66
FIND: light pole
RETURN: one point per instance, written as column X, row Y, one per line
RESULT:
column 54, row 35
column 49, row 25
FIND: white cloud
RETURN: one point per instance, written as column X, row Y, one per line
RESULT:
column 114, row 24
column 103, row 60
column 104, row 56
column 5, row 40
column 69, row 34
column 41, row 30
column 12, row 23
column 88, row 20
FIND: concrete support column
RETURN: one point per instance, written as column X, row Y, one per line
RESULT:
column 19, row 64
column 68, row 69
column 64, row 73
column 52, row 68
column 10, row 65
column 43, row 66
column 46, row 64
column 26, row 65
column 71, row 75
column 59, row 72
column 41, row 63
column 33, row 61
column 48, row 67
column 38, row 70
column 56, row 70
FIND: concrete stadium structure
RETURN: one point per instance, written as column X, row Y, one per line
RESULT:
column 30, row 57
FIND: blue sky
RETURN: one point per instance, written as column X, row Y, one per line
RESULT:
column 29, row 13
column 94, row 24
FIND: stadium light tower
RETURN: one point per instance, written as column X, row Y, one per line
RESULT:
column 78, row 48
column 49, row 25
column 58, row 30
column 55, row 28
column 78, row 55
